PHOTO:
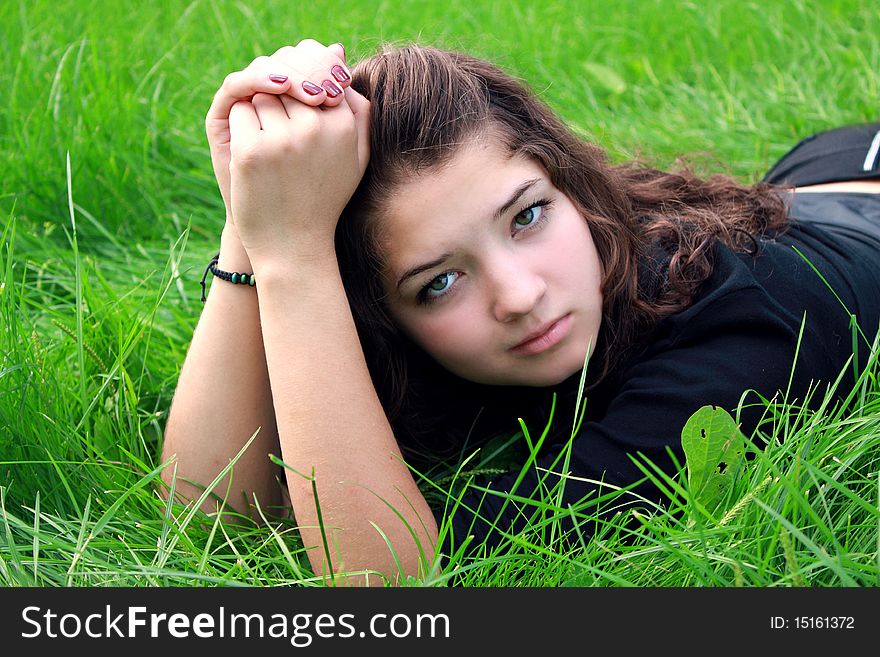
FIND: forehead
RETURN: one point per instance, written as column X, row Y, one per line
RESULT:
column 429, row 211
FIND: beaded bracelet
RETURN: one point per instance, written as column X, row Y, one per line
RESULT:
column 231, row 276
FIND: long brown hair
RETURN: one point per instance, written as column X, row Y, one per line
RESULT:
column 654, row 231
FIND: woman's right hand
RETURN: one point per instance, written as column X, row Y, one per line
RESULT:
column 310, row 73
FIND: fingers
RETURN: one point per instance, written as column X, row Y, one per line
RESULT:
column 242, row 85
column 279, row 117
column 339, row 50
column 279, row 105
column 310, row 73
column 323, row 66
column 264, row 76
column 289, row 105
column 271, row 113
column 339, row 71
column 244, row 123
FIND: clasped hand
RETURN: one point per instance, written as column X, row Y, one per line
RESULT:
column 289, row 143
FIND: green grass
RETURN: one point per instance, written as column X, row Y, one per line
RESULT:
column 109, row 212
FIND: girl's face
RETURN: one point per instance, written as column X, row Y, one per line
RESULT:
column 492, row 270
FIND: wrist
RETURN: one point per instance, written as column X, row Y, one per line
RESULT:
column 302, row 254
column 302, row 274
column 233, row 256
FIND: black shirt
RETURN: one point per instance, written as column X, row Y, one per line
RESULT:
column 737, row 340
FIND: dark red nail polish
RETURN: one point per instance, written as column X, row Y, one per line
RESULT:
column 331, row 88
column 278, row 79
column 311, row 88
column 340, row 73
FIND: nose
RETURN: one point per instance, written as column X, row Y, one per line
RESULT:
column 516, row 288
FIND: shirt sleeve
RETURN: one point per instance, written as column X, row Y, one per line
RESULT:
column 738, row 342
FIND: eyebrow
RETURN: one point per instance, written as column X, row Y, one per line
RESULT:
column 504, row 207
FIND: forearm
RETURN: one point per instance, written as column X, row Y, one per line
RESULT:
column 332, row 425
column 223, row 397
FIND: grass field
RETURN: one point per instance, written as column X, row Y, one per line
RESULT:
column 109, row 213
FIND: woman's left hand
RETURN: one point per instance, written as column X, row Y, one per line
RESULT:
column 293, row 169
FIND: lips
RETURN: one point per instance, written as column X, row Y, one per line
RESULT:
column 537, row 334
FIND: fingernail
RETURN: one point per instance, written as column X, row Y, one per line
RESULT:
column 278, row 79
column 331, row 88
column 311, row 88
column 340, row 73
column 343, row 50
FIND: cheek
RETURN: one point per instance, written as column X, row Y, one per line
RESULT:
column 448, row 335
column 576, row 261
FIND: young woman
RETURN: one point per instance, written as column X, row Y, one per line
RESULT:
column 429, row 255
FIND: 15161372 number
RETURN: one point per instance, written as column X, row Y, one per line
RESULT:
column 824, row 622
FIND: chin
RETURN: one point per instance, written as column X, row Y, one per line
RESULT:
column 557, row 375
column 533, row 378
column 537, row 379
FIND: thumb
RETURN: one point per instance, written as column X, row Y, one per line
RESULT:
column 360, row 107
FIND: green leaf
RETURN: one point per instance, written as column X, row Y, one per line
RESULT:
column 713, row 446
column 606, row 78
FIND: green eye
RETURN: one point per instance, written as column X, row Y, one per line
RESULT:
column 528, row 216
column 439, row 284
column 438, row 287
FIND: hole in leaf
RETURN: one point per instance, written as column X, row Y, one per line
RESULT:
column 703, row 433
column 722, row 467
